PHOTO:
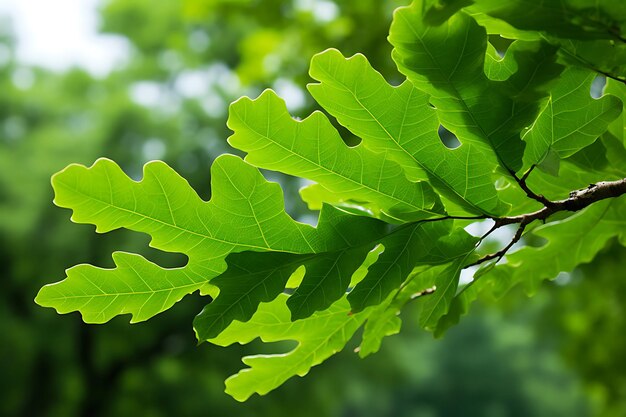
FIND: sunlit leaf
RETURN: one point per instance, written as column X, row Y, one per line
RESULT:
column 245, row 213
column 570, row 120
column 313, row 149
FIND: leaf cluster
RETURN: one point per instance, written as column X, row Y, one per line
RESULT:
column 509, row 83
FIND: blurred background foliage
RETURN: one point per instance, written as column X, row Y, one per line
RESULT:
column 557, row 354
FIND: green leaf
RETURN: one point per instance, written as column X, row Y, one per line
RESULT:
column 438, row 11
column 255, row 277
column 245, row 213
column 618, row 127
column 318, row 337
column 590, row 34
column 327, row 279
column 574, row 19
column 136, row 286
column 434, row 287
column 569, row 243
column 424, row 243
column 501, row 28
column 446, row 281
column 592, row 157
column 383, row 322
column 615, row 154
column 248, row 281
column 312, row 148
column 399, row 122
column 602, row 56
column 447, row 62
column 570, row 120
column 460, row 306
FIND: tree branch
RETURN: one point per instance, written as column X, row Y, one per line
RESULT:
column 577, row 201
column 530, row 193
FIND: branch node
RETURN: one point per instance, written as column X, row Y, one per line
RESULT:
column 578, row 200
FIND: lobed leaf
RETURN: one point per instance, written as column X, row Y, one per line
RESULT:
column 255, row 277
column 433, row 288
column 420, row 244
column 318, row 336
column 313, row 149
column 245, row 213
column 399, row 122
column 618, row 127
column 570, row 119
column 569, row 243
column 447, row 62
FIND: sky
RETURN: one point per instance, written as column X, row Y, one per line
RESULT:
column 58, row 34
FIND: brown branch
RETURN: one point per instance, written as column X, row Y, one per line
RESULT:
column 577, row 201
column 530, row 193
column 426, row 291
column 500, row 254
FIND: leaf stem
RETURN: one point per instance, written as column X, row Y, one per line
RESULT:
column 530, row 193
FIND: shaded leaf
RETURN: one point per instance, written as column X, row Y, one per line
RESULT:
column 399, row 122
column 572, row 19
column 425, row 243
column 255, row 277
column 318, row 337
column 570, row 120
column 447, row 63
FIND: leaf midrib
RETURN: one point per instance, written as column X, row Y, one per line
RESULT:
column 401, row 147
column 457, row 93
column 304, row 158
column 164, row 223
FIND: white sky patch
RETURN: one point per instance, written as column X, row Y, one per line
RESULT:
column 291, row 93
column 153, row 149
column 467, row 275
column 193, row 83
column 323, row 10
column 146, row 93
column 58, row 34
column 502, row 236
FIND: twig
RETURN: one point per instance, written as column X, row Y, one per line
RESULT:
column 500, row 254
column 426, row 291
column 490, row 231
column 577, row 200
column 530, row 193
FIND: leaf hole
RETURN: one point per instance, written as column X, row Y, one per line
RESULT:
column 597, row 86
column 448, row 138
column 500, row 44
column 563, row 278
column 535, row 241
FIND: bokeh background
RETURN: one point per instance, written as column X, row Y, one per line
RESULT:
column 141, row 80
